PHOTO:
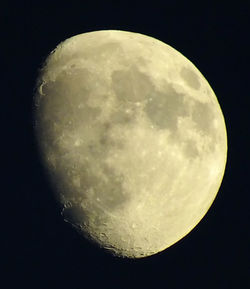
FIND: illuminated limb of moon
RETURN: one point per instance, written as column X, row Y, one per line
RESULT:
column 133, row 138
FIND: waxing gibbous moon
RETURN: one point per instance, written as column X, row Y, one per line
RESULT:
column 132, row 137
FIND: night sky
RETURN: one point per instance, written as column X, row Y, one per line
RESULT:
column 42, row 251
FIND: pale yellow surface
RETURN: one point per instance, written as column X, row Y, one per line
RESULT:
column 133, row 138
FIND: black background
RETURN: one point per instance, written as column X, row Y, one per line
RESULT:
column 40, row 250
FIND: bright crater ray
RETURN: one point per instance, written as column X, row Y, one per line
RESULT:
column 133, row 138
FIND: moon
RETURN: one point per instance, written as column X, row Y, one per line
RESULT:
column 132, row 137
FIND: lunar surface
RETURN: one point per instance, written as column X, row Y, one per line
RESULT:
column 132, row 137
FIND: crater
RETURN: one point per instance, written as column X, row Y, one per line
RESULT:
column 83, row 218
column 75, row 215
column 190, row 78
column 61, row 98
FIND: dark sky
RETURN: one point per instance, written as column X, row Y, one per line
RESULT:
column 40, row 250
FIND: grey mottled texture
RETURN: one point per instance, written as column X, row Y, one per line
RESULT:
column 133, row 138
